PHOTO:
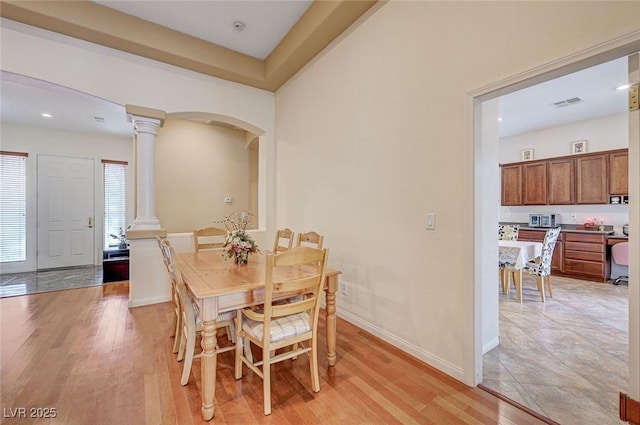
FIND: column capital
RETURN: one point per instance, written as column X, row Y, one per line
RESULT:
column 144, row 124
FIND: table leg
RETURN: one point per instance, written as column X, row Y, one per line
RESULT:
column 208, row 362
column 330, row 292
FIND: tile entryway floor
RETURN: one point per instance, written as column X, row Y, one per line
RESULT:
column 567, row 358
column 14, row 284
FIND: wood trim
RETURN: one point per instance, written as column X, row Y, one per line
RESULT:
column 629, row 409
column 14, row 153
column 518, row 405
column 111, row 161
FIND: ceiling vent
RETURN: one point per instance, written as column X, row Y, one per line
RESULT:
column 567, row 102
column 99, row 119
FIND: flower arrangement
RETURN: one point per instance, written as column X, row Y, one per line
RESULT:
column 238, row 243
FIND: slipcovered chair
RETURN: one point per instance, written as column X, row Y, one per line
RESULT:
column 542, row 267
column 508, row 232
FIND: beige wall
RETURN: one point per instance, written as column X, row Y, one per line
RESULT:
column 197, row 166
column 374, row 134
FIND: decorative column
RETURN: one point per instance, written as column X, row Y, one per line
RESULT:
column 148, row 279
column 146, row 131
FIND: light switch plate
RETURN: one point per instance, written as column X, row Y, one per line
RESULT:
column 431, row 221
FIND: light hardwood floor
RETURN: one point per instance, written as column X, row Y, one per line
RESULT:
column 567, row 358
column 84, row 353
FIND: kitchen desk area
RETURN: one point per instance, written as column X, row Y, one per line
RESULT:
column 580, row 254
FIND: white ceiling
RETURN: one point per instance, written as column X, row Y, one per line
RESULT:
column 267, row 22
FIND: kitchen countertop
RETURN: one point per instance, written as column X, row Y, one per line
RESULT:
column 608, row 230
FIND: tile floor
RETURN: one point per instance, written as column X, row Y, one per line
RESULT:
column 14, row 284
column 567, row 358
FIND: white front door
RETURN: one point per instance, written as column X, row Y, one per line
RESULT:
column 65, row 211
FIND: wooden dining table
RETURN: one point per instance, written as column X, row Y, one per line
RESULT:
column 512, row 257
column 220, row 285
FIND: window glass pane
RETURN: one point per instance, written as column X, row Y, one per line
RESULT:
column 13, row 208
column 114, row 203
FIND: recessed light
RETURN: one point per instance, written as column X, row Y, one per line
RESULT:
column 499, row 118
column 623, row 87
column 239, row 25
column 46, row 115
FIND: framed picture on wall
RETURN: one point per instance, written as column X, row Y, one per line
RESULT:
column 527, row 154
column 579, row 146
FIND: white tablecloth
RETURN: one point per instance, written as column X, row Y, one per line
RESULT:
column 515, row 254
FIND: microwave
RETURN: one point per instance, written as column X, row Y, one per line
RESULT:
column 543, row 220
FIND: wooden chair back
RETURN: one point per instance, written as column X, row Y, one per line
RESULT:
column 297, row 271
column 209, row 238
column 311, row 239
column 283, row 241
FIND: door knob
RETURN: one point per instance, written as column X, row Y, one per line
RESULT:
column 90, row 222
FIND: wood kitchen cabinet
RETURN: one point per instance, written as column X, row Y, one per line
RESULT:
column 512, row 185
column 591, row 179
column 619, row 173
column 534, row 183
column 561, row 177
column 585, row 256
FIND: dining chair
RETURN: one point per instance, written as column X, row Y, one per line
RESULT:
column 508, row 232
column 311, row 239
column 209, row 238
column 191, row 322
column 283, row 241
column 164, row 245
column 620, row 254
column 293, row 324
column 542, row 266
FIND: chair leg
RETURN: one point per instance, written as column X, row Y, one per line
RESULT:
column 540, row 280
column 240, row 344
column 503, row 276
column 188, row 358
column 313, row 361
column 231, row 333
column 266, row 381
column 549, row 286
column 183, row 343
column 178, row 334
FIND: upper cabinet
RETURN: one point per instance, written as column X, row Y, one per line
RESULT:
column 619, row 173
column 591, row 179
column 576, row 179
column 562, row 177
column 534, row 183
column 512, row 185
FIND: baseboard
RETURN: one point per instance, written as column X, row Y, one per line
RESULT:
column 629, row 409
column 148, row 301
column 491, row 345
column 434, row 361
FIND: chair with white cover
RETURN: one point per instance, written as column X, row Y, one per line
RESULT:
column 620, row 255
column 164, row 245
column 542, row 266
column 209, row 238
column 506, row 232
column 311, row 239
column 293, row 324
column 283, row 241
column 191, row 322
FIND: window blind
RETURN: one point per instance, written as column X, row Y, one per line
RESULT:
column 13, row 206
column 114, row 201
